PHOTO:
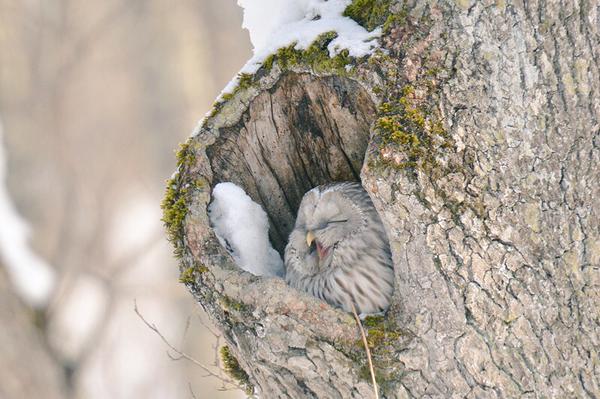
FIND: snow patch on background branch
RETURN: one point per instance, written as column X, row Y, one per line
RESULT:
column 242, row 227
column 32, row 277
column 274, row 24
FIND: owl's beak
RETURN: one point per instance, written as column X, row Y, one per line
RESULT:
column 310, row 237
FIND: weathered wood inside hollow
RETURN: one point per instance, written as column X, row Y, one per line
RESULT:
column 303, row 132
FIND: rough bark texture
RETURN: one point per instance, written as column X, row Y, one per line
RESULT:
column 483, row 159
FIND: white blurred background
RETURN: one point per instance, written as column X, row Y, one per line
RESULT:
column 94, row 98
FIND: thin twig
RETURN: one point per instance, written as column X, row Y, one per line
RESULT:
column 185, row 330
column 365, row 343
column 192, row 391
column 183, row 355
column 206, row 325
column 217, row 336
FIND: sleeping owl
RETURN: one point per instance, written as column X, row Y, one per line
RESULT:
column 338, row 250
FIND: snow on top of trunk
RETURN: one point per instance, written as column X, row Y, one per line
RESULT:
column 32, row 277
column 242, row 227
column 274, row 24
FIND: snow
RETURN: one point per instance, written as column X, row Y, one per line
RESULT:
column 274, row 24
column 242, row 227
column 32, row 277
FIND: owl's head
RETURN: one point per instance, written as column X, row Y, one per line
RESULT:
column 326, row 217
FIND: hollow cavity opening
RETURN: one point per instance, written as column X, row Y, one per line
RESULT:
column 303, row 132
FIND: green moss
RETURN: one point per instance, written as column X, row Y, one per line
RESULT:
column 288, row 56
column 316, row 56
column 379, row 333
column 381, row 336
column 235, row 371
column 202, row 269
column 364, row 373
column 385, row 339
column 373, row 321
column 245, row 81
column 369, row 13
column 268, row 62
column 377, row 90
column 393, row 20
column 433, row 72
column 200, row 183
column 185, row 155
column 411, row 129
column 174, row 203
column 174, row 206
column 230, row 304
column 188, row 276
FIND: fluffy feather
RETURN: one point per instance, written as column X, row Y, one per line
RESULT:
column 339, row 251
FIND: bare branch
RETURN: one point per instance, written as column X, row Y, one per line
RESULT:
column 182, row 355
column 207, row 326
column 192, row 391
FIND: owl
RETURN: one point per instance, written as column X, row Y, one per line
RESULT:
column 339, row 251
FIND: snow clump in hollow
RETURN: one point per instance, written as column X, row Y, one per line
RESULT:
column 242, row 227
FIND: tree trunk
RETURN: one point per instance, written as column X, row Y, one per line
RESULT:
column 476, row 134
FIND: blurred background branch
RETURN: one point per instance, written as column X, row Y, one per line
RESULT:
column 93, row 95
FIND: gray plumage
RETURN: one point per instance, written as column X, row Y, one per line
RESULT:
column 339, row 251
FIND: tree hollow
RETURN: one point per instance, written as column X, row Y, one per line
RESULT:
column 303, row 132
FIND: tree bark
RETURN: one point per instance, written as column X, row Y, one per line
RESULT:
column 480, row 127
